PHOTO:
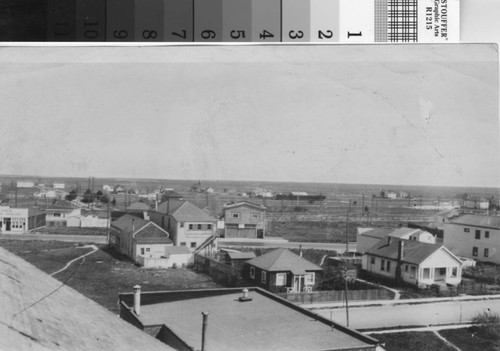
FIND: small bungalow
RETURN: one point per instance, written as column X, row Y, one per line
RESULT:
column 368, row 237
column 417, row 263
column 236, row 259
column 282, row 270
column 139, row 239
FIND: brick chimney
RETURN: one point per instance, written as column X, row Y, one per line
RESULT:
column 137, row 299
column 399, row 264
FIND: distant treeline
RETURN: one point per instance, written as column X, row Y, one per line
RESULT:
column 310, row 198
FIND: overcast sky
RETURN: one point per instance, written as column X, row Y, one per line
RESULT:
column 352, row 114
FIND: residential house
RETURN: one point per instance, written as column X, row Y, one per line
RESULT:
column 248, row 320
column 25, row 184
column 119, row 189
column 367, row 237
column 187, row 224
column 413, row 262
column 57, row 215
column 474, row 236
column 282, row 270
column 107, row 188
column 58, row 186
column 244, row 220
column 170, row 194
column 20, row 220
column 139, row 239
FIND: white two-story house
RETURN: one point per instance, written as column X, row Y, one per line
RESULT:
column 187, row 224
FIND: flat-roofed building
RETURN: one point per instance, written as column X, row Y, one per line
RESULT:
column 261, row 321
column 20, row 220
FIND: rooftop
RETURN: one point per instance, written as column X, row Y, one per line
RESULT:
column 185, row 211
column 281, row 260
column 478, row 221
column 414, row 251
column 264, row 323
column 40, row 313
column 244, row 203
column 376, row 232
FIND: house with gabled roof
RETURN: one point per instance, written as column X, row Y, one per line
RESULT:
column 413, row 262
column 368, row 237
column 282, row 271
column 139, row 239
column 244, row 220
column 187, row 224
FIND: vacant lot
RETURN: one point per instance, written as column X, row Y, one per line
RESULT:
column 103, row 275
column 49, row 256
column 471, row 339
column 413, row 341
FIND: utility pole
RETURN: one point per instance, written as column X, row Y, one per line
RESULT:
column 345, row 276
column 347, row 231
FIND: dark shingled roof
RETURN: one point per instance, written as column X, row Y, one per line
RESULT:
column 282, row 260
column 414, row 251
column 377, row 232
column 478, row 221
column 147, row 232
column 241, row 255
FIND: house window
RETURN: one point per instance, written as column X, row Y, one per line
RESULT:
column 193, row 245
column 57, row 215
column 372, row 260
column 486, row 252
column 406, row 268
column 466, row 230
column 413, row 271
column 309, row 279
column 235, row 215
column 252, row 272
column 263, row 277
column 474, row 251
column 486, row 234
column 426, row 273
column 382, row 265
column 181, row 224
column 454, row 272
column 148, row 249
column 280, row 279
column 478, row 234
column 199, row 227
column 388, row 266
column 255, row 215
column 183, row 243
column 190, row 227
column 142, row 251
column 209, row 226
column 442, row 271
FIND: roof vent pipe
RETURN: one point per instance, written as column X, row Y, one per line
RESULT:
column 204, row 331
column 137, row 299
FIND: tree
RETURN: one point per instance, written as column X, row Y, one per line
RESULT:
column 104, row 199
column 71, row 196
column 113, row 202
column 98, row 195
column 88, row 197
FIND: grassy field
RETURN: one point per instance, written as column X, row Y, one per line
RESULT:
column 471, row 340
column 49, row 256
column 413, row 341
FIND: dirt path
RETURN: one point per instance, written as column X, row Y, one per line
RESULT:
column 95, row 248
column 446, row 341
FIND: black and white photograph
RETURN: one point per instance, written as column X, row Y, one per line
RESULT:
column 250, row 197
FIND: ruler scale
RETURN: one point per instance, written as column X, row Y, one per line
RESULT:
column 206, row 21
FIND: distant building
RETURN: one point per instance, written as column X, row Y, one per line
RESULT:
column 474, row 236
column 170, row 195
column 20, row 220
column 282, row 270
column 244, row 220
column 107, row 188
column 140, row 240
column 187, row 224
column 119, row 189
column 59, row 186
column 413, row 262
column 57, row 216
column 25, row 184
column 253, row 320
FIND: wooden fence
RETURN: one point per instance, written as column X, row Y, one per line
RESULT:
column 337, row 296
column 220, row 272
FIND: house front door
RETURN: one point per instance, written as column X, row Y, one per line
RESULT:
column 298, row 282
column 7, row 224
